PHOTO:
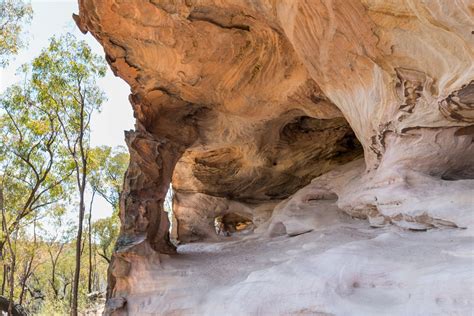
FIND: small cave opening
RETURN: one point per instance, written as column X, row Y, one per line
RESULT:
column 232, row 224
column 455, row 175
column 168, row 208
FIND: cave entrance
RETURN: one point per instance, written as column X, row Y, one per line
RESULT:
column 232, row 224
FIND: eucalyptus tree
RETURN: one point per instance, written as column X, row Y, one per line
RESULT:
column 56, row 243
column 66, row 73
column 14, row 15
column 107, row 179
column 33, row 171
column 106, row 174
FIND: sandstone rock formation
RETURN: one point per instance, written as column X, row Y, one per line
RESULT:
column 242, row 103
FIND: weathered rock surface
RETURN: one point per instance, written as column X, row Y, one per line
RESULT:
column 241, row 103
column 333, row 265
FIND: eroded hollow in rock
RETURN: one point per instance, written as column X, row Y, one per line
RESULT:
column 232, row 224
column 216, row 187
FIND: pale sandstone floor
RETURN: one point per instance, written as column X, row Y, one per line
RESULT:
column 342, row 267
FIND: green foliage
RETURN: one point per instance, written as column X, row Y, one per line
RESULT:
column 106, row 231
column 107, row 167
column 13, row 15
column 44, row 148
column 33, row 170
column 107, row 170
column 65, row 75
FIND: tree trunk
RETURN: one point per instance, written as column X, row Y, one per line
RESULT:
column 96, row 275
column 54, row 263
column 89, row 279
column 11, row 280
column 4, row 279
column 28, row 269
column 1, row 249
column 81, row 174
column 53, row 281
column 24, row 279
column 77, row 271
column 12, row 277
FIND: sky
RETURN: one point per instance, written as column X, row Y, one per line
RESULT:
column 55, row 18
